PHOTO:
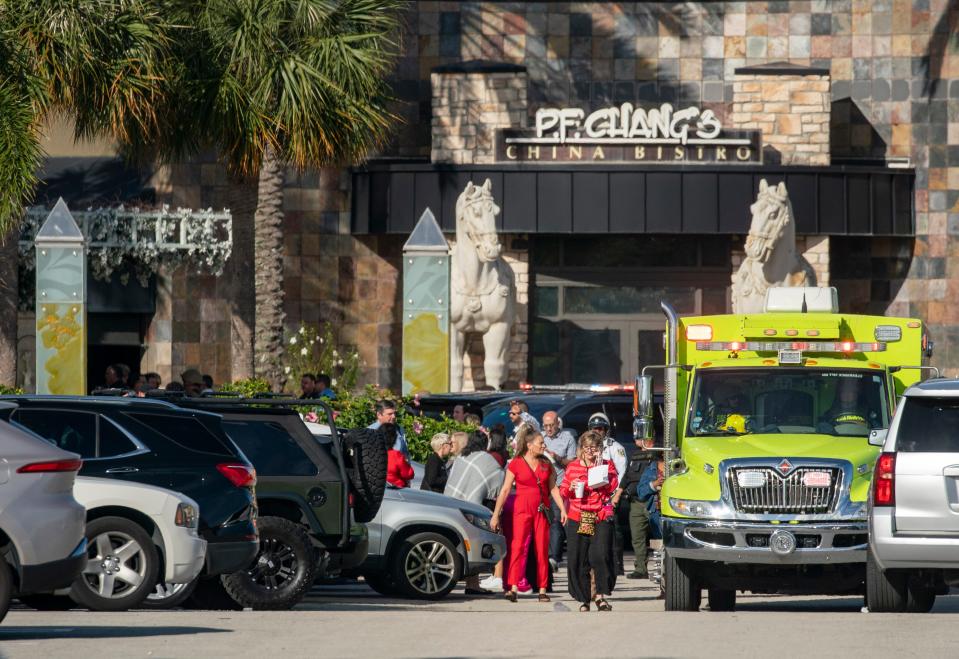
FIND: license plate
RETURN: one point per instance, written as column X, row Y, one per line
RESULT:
column 751, row 478
column 790, row 356
column 816, row 479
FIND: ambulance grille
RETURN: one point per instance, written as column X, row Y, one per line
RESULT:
column 763, row 490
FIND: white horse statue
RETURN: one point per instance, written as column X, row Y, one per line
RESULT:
column 482, row 291
column 771, row 257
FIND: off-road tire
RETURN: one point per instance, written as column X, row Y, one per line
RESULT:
column 721, row 600
column 920, row 598
column 47, row 602
column 83, row 594
column 6, row 588
column 408, row 554
column 210, row 595
column 282, row 571
column 885, row 591
column 382, row 584
column 365, row 458
column 683, row 592
column 176, row 599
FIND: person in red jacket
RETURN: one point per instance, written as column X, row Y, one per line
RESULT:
column 399, row 471
column 589, row 526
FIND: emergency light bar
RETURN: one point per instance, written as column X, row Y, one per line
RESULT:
column 805, row 346
column 595, row 388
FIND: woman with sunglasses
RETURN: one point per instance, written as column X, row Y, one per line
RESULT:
column 589, row 526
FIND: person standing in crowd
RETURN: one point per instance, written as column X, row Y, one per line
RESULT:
column 399, row 471
column 613, row 452
column 535, row 483
column 111, row 378
column 153, row 381
column 589, row 528
column 475, row 477
column 192, row 382
column 459, row 413
column 519, row 414
column 497, row 446
column 308, row 387
column 174, row 386
column 648, row 491
column 386, row 413
column 323, row 387
column 207, row 384
column 435, row 473
column 473, row 419
column 560, row 450
column 460, row 440
column 638, row 514
column 124, row 372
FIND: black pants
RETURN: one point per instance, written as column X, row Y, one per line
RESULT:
column 585, row 552
column 557, row 534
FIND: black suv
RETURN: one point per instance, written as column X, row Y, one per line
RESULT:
column 313, row 498
column 159, row 444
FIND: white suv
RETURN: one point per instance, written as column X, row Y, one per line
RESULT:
column 914, row 508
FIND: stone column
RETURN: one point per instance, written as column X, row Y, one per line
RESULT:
column 471, row 101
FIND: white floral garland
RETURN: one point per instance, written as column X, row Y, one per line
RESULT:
column 139, row 242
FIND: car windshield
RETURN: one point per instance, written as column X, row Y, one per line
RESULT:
column 788, row 400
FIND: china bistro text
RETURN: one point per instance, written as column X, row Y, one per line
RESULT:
column 627, row 134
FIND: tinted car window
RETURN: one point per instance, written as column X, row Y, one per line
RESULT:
column 270, row 448
column 928, row 425
column 112, row 440
column 72, row 431
column 183, row 431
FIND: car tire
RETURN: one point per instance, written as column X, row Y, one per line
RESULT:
column 683, row 592
column 885, row 590
column 721, row 599
column 920, row 598
column 169, row 595
column 6, row 588
column 426, row 566
column 47, row 602
column 116, row 546
column 366, row 468
column 282, row 572
column 382, row 584
column 210, row 595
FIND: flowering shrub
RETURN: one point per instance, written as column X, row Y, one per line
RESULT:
column 7, row 390
column 247, row 388
column 313, row 349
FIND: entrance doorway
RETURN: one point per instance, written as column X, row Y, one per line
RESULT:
column 598, row 320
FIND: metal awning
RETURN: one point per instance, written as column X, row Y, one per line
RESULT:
column 389, row 197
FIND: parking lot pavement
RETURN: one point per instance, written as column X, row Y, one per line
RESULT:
column 346, row 619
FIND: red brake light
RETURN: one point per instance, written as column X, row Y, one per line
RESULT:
column 884, row 481
column 699, row 333
column 51, row 466
column 239, row 474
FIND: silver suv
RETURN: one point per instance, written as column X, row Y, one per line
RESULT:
column 42, row 544
column 914, row 508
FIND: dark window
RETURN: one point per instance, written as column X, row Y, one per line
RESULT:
column 183, row 431
column 71, row 431
column 270, row 448
column 928, row 425
column 112, row 440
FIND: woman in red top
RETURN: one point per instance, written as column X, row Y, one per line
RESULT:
column 589, row 531
column 399, row 472
column 535, row 483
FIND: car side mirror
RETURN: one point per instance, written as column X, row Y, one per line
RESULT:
column 643, row 422
column 877, row 437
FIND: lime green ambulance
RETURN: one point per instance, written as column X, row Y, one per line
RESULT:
column 773, row 422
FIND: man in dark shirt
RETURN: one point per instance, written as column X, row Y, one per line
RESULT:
column 638, row 513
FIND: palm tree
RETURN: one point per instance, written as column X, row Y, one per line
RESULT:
column 273, row 84
column 96, row 61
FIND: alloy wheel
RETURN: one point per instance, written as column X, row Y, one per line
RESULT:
column 166, row 590
column 275, row 565
column 430, row 566
column 116, row 565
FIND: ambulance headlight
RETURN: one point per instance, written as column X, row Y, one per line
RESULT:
column 692, row 508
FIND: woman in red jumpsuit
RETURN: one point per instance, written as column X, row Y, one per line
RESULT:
column 535, row 483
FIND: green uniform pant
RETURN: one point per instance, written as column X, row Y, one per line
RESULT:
column 639, row 528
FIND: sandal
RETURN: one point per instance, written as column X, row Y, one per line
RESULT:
column 510, row 595
column 584, row 607
column 602, row 605
column 543, row 597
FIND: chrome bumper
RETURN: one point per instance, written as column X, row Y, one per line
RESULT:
column 736, row 542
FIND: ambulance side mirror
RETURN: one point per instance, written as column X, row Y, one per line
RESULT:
column 643, row 422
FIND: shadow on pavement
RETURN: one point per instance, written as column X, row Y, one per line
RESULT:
column 944, row 604
column 46, row 632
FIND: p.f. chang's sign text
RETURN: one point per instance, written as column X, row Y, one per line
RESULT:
column 628, row 134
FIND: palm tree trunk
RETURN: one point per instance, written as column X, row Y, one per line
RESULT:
column 8, row 307
column 240, row 279
column 268, row 271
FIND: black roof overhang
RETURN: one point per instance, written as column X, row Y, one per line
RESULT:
column 389, row 197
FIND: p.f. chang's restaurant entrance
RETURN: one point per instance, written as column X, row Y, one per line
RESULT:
column 595, row 314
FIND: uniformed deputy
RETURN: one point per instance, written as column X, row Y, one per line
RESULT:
column 613, row 452
column 638, row 513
